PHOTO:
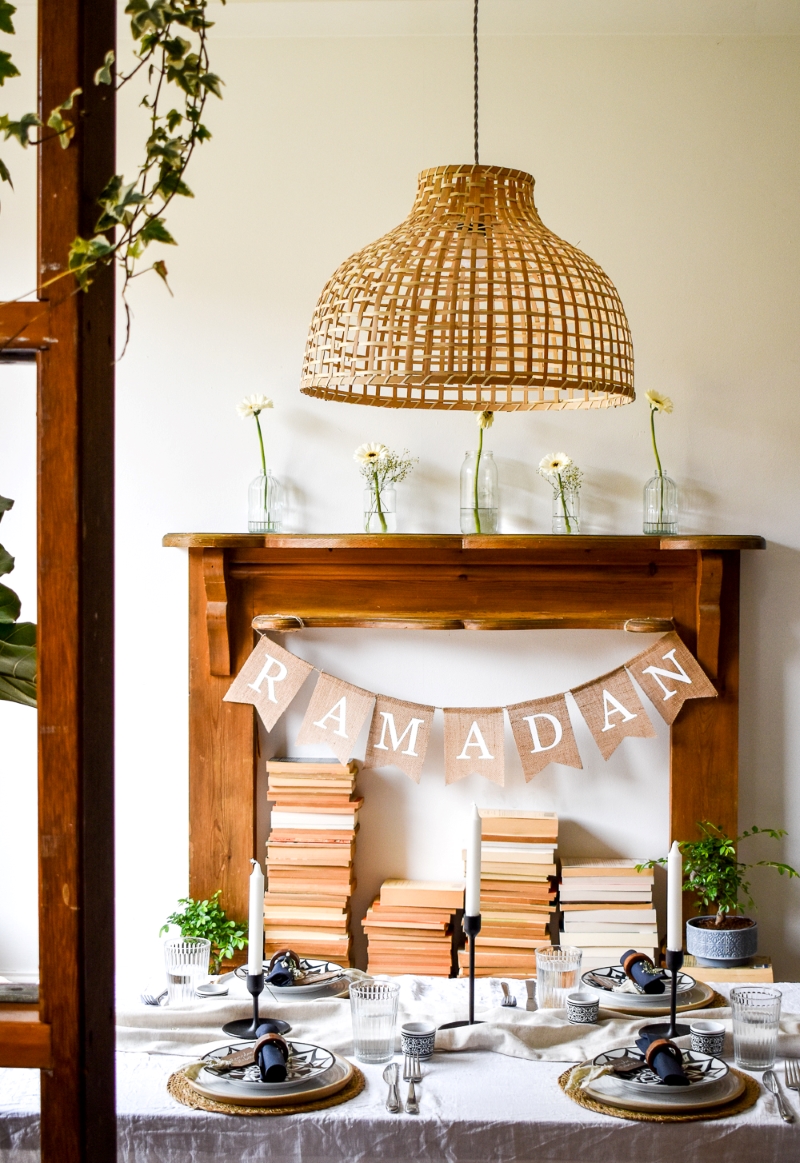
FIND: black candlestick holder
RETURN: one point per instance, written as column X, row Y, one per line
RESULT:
column 247, row 1027
column 472, row 926
column 672, row 1029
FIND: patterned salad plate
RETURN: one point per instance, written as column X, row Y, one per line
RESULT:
column 616, row 975
column 314, row 1073
column 702, row 1070
column 332, row 988
column 697, row 995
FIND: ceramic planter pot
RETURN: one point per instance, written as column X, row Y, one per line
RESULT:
column 721, row 948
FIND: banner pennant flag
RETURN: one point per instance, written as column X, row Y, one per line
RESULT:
column 473, row 743
column 543, row 734
column 669, row 674
column 399, row 735
column 335, row 716
column 612, row 710
column 269, row 680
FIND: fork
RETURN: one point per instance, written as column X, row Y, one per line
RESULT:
column 412, row 1071
column 792, row 1075
column 152, row 999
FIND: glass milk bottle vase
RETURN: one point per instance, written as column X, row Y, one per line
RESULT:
column 380, row 509
column 479, row 493
column 566, row 510
column 660, row 505
column 264, row 504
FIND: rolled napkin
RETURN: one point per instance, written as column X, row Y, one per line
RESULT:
column 281, row 968
column 271, row 1054
column 664, row 1058
column 639, row 968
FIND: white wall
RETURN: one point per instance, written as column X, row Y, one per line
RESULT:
column 667, row 150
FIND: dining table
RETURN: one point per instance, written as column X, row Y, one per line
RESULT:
column 489, row 1094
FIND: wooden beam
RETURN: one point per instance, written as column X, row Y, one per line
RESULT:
column 25, row 1041
column 75, row 587
column 25, row 326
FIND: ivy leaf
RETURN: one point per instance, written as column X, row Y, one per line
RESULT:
column 6, row 561
column 6, row 12
column 84, row 255
column 171, row 182
column 160, row 268
column 19, row 129
column 103, row 74
column 174, row 118
column 7, row 67
column 10, row 605
column 5, row 504
column 155, row 231
column 5, row 176
column 65, row 129
column 212, row 82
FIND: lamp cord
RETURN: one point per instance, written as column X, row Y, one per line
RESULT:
column 475, row 75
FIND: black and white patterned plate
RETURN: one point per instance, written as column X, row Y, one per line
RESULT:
column 700, row 1069
column 306, row 1061
column 616, row 975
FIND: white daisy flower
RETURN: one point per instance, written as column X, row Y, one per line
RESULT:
column 252, row 405
column 658, row 402
column 370, row 453
column 485, row 419
column 555, row 462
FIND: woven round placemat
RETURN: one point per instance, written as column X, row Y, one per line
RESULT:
column 182, row 1091
column 750, row 1097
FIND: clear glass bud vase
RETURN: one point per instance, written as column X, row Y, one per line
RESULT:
column 479, row 493
column 380, row 510
column 566, row 511
column 264, row 504
column 660, row 505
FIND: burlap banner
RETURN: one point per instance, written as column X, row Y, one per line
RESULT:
column 612, row 709
column 335, row 716
column 473, row 743
column 543, row 734
column 669, row 674
column 269, row 680
column 399, row 735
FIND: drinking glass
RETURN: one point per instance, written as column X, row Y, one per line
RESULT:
column 557, row 974
column 186, row 960
column 756, row 1014
column 373, row 1008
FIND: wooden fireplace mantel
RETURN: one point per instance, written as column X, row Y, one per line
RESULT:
column 643, row 584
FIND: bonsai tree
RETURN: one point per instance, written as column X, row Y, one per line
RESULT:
column 713, row 872
column 208, row 919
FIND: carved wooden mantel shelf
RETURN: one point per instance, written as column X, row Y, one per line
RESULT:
column 281, row 582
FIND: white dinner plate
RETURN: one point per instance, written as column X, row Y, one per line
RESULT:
column 324, row 988
column 699, row 997
column 703, row 1070
column 240, row 1094
column 607, row 1090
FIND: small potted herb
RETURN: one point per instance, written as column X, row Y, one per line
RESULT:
column 207, row 919
column 713, row 873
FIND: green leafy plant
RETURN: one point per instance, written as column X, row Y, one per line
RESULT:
column 17, row 639
column 208, row 919
column 171, row 38
column 713, row 872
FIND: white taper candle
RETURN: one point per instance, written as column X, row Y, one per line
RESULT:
column 472, row 903
column 674, row 899
column 255, row 935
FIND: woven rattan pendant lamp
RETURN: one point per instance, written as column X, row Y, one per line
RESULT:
column 470, row 303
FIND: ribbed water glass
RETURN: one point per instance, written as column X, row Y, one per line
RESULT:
column 373, row 1008
column 557, row 974
column 756, row 1016
column 186, row 962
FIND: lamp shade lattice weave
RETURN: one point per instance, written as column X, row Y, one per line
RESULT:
column 470, row 303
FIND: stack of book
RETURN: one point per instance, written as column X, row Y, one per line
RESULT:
column 518, row 891
column 310, row 854
column 411, row 928
column 607, row 908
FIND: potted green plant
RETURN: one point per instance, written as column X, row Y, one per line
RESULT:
column 717, row 878
column 208, row 919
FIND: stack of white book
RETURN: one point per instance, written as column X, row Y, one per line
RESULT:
column 607, row 908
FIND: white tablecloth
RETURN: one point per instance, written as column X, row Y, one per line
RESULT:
column 475, row 1108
